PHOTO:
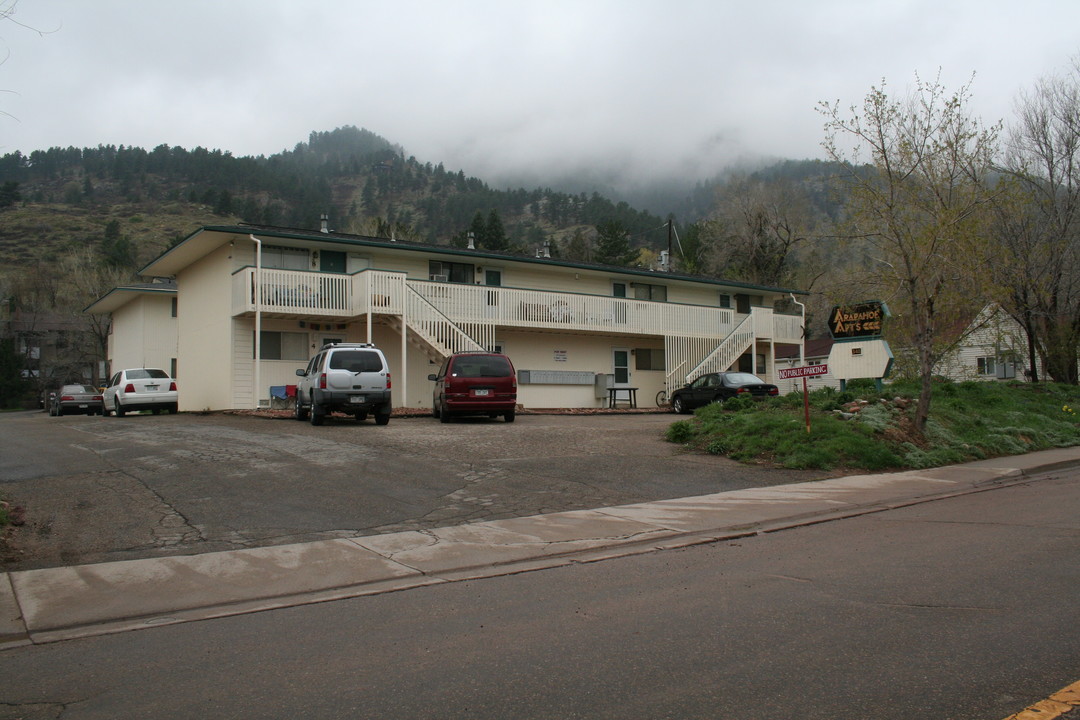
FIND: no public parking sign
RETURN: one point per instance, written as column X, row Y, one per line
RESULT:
column 802, row 372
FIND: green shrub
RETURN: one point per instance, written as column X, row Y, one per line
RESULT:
column 680, row 432
column 967, row 421
column 719, row 446
column 876, row 417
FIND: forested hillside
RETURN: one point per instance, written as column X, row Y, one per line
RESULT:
column 63, row 198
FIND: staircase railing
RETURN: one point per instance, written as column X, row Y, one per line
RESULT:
column 734, row 345
column 443, row 335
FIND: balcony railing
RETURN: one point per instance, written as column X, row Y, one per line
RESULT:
column 313, row 294
column 293, row 292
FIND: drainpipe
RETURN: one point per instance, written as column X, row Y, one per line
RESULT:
column 802, row 344
column 258, row 319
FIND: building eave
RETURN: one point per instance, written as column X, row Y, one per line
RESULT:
column 122, row 295
column 203, row 241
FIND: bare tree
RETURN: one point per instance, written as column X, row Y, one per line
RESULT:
column 918, row 204
column 1037, row 223
column 755, row 229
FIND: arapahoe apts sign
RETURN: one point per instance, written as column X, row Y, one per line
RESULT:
column 862, row 320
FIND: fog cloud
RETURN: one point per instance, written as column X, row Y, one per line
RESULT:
column 507, row 91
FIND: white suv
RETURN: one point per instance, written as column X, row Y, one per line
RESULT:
column 352, row 378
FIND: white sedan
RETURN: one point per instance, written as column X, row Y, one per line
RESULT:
column 140, row 389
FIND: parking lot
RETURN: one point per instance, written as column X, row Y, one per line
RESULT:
column 98, row 489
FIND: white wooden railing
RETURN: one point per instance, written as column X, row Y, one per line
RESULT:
column 293, row 292
column 734, row 345
column 510, row 307
column 441, row 333
column 297, row 292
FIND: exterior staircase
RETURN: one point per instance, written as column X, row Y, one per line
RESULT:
column 436, row 335
column 739, row 341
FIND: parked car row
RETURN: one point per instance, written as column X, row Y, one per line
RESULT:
column 354, row 379
column 127, row 391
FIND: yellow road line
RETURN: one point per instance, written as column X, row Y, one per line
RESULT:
column 1055, row 706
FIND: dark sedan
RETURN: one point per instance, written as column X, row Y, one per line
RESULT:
column 718, row 387
column 79, row 399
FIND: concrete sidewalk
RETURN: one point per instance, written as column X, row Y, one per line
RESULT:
column 48, row 605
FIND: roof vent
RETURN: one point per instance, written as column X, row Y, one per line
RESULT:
column 472, row 241
column 324, row 223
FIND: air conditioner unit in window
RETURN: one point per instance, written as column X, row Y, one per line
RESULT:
column 440, row 278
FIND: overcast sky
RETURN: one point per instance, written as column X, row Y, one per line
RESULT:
column 504, row 89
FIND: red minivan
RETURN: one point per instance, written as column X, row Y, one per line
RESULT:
column 475, row 383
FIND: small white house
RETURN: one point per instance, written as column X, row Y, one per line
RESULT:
column 993, row 346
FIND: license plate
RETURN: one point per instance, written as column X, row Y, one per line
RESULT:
column 152, row 387
column 83, row 406
column 357, row 399
column 481, row 393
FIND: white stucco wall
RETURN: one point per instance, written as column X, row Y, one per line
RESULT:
column 143, row 334
column 205, row 331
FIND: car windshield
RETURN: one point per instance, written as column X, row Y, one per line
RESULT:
column 743, row 379
column 146, row 374
column 355, row 361
column 482, row 366
column 71, row 389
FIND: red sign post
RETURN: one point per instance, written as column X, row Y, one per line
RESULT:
column 803, row 372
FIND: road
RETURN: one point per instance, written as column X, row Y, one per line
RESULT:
column 100, row 489
column 963, row 608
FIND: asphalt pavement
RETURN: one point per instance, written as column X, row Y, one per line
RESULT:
column 58, row 603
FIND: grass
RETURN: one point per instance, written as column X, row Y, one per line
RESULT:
column 869, row 430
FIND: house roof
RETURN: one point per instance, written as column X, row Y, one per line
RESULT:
column 209, row 238
column 122, row 295
column 817, row 347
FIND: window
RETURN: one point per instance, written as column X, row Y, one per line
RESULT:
column 450, row 272
column 174, row 306
column 283, row 345
column 986, row 365
column 725, row 300
column 644, row 291
column 285, row 258
column 649, row 359
column 172, row 367
column 356, row 361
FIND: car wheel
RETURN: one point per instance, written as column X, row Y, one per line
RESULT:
column 678, row 406
column 299, row 411
column 361, row 416
column 156, row 411
column 118, row 408
column 444, row 415
column 382, row 415
column 174, row 408
column 510, row 415
column 318, row 414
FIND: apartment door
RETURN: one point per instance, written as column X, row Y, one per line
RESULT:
column 620, row 366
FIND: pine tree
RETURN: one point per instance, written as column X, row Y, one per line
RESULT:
column 613, row 244
column 495, row 234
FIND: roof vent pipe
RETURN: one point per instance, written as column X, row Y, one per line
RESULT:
column 324, row 223
column 472, row 241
